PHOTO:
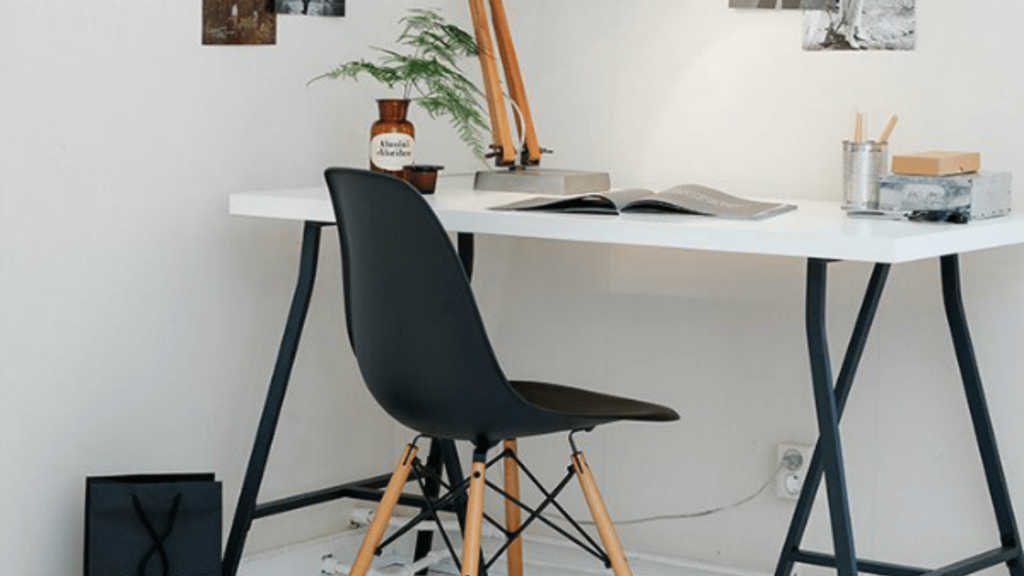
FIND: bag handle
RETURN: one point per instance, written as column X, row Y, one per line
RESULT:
column 158, row 539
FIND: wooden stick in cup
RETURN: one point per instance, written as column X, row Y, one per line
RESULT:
column 858, row 128
column 889, row 127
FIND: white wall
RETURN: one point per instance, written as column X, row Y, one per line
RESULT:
column 664, row 92
column 138, row 323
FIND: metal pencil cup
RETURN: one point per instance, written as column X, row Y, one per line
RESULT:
column 863, row 164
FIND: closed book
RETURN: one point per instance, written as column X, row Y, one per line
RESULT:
column 936, row 163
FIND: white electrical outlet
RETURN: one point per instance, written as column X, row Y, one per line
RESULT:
column 792, row 461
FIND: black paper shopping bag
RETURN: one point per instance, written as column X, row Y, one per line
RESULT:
column 155, row 525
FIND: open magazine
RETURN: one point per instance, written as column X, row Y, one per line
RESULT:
column 685, row 199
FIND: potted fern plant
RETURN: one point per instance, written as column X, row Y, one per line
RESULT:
column 425, row 67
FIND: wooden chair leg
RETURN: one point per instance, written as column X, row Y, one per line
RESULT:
column 474, row 520
column 513, row 514
column 382, row 516
column 601, row 519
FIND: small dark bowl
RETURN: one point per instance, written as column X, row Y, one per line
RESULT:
column 423, row 177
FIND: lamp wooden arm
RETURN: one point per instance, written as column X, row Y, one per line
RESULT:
column 501, row 132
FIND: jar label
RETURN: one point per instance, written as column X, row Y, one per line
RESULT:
column 392, row 151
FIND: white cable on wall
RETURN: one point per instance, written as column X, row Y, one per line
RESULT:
column 702, row 513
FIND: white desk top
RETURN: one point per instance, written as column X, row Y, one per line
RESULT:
column 814, row 230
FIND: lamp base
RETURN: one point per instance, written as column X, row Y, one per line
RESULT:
column 543, row 181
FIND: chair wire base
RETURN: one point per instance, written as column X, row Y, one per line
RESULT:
column 454, row 498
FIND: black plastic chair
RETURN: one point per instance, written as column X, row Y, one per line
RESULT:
column 425, row 356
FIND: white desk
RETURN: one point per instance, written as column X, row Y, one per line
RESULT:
column 817, row 231
column 814, row 230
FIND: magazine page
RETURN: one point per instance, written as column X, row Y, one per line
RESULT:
column 591, row 203
column 701, row 200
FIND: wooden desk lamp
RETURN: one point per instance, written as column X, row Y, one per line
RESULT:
column 521, row 167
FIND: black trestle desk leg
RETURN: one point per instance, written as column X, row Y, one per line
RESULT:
column 275, row 399
column 425, row 539
column 467, row 251
column 851, row 361
column 449, row 454
column 828, row 418
column 453, row 468
column 980, row 417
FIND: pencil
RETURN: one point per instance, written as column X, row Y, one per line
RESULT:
column 889, row 127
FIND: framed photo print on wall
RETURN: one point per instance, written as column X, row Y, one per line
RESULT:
column 311, row 7
column 239, row 22
column 862, row 25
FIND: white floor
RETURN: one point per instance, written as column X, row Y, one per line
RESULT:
column 543, row 558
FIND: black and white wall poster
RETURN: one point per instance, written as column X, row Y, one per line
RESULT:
column 311, row 7
column 862, row 25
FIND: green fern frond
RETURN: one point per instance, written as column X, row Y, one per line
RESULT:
column 462, row 42
column 352, row 70
column 431, row 72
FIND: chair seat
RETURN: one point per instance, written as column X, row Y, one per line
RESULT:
column 578, row 404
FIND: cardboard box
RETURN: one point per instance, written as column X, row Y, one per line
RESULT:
column 979, row 196
column 936, row 163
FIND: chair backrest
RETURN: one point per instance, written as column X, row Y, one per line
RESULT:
column 411, row 317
